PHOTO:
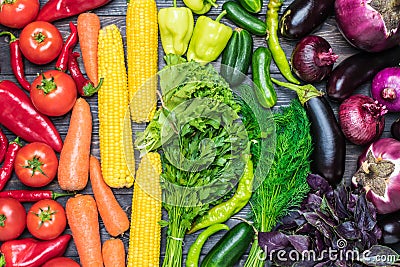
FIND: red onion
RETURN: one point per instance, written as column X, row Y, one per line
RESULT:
column 361, row 119
column 379, row 173
column 385, row 88
column 312, row 59
column 371, row 25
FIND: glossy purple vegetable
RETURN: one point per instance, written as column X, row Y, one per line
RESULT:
column 361, row 119
column 371, row 25
column 385, row 88
column 379, row 174
column 395, row 129
column 390, row 226
column 312, row 59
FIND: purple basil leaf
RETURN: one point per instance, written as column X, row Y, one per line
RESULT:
column 373, row 256
column 320, row 244
column 318, row 183
column 313, row 219
column 326, row 219
column 341, row 197
column 313, row 202
column 365, row 219
column 269, row 241
column 291, row 221
column 306, row 228
column 348, row 230
column 299, row 242
column 328, row 209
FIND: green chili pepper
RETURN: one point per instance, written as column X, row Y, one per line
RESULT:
column 176, row 28
column 200, row 6
column 193, row 255
column 209, row 39
column 278, row 54
column 222, row 212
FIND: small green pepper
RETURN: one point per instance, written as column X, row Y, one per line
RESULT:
column 278, row 54
column 209, row 39
column 193, row 255
column 176, row 28
column 200, row 6
column 222, row 212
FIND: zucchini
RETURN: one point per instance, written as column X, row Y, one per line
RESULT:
column 253, row 6
column 264, row 88
column 231, row 247
column 244, row 19
column 236, row 57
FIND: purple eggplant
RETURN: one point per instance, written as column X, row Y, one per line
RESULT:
column 395, row 129
column 302, row 17
column 357, row 70
column 390, row 226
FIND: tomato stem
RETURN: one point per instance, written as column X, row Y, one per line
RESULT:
column 47, row 85
column 8, row 2
column 35, row 164
column 39, row 37
column 3, row 218
column 44, row 215
column 2, row 260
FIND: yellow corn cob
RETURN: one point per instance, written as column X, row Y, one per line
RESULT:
column 142, row 50
column 113, row 104
column 145, row 231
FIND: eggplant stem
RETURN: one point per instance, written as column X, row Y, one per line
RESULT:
column 304, row 92
column 326, row 58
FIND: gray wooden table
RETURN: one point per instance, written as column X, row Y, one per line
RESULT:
column 115, row 12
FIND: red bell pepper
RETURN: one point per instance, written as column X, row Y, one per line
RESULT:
column 3, row 145
column 29, row 252
column 20, row 116
column 59, row 9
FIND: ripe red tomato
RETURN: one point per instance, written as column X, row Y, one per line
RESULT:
column 12, row 219
column 36, row 164
column 17, row 14
column 46, row 219
column 53, row 93
column 61, row 261
column 40, row 42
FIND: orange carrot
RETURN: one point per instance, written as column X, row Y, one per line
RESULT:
column 114, row 217
column 88, row 32
column 113, row 253
column 73, row 167
column 83, row 220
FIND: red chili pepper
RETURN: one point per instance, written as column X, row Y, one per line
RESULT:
column 3, row 145
column 8, row 166
column 85, row 86
column 17, row 63
column 30, row 252
column 59, row 9
column 20, row 116
column 72, row 40
column 32, row 196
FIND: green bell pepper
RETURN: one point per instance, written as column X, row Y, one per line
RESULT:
column 209, row 39
column 176, row 28
column 200, row 6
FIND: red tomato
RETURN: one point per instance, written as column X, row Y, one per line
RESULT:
column 61, row 261
column 53, row 93
column 12, row 219
column 36, row 164
column 46, row 219
column 18, row 13
column 40, row 42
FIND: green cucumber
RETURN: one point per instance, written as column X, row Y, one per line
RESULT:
column 231, row 247
column 236, row 57
column 264, row 88
column 244, row 19
column 253, row 6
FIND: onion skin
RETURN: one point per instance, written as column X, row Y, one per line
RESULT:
column 385, row 88
column 361, row 119
column 363, row 26
column 358, row 69
column 386, row 149
column 312, row 59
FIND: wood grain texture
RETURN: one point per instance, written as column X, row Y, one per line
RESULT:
column 115, row 13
